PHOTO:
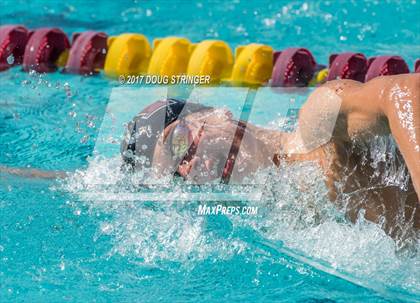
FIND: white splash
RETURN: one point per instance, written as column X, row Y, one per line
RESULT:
column 295, row 210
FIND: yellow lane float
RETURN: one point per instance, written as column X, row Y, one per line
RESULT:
column 211, row 58
column 253, row 64
column 128, row 54
column 319, row 77
column 170, row 56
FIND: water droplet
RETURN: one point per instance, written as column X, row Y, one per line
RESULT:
column 84, row 139
column 11, row 59
column 106, row 228
column 269, row 22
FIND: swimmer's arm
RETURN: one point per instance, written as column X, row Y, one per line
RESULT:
column 402, row 109
column 398, row 99
column 361, row 105
column 33, row 173
column 321, row 120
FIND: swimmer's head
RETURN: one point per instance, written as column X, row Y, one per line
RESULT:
column 191, row 140
column 143, row 131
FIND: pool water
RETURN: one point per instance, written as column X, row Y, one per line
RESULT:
column 58, row 244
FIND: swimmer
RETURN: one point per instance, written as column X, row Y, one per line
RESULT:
column 385, row 105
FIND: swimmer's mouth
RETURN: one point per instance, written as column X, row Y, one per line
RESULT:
column 208, row 169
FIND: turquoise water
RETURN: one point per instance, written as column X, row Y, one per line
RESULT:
column 57, row 245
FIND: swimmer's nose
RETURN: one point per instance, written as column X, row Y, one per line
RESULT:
column 196, row 167
column 209, row 164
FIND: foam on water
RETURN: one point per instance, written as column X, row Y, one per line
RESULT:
column 163, row 231
column 303, row 217
column 294, row 209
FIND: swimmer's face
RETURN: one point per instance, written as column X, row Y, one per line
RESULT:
column 197, row 148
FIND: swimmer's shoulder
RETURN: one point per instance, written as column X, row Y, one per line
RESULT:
column 373, row 96
column 386, row 89
column 403, row 81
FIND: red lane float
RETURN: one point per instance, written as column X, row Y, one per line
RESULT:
column 87, row 53
column 13, row 39
column 44, row 47
column 417, row 66
column 386, row 65
column 293, row 67
column 347, row 66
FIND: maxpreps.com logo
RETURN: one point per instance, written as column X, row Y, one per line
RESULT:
column 220, row 209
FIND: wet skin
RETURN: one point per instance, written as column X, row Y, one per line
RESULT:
column 385, row 105
column 214, row 131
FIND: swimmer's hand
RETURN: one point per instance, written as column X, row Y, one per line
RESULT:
column 33, row 173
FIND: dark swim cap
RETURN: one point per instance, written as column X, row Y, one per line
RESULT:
column 144, row 129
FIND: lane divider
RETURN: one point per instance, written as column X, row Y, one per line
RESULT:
column 87, row 53
column 48, row 49
column 170, row 56
column 386, row 65
column 347, row 66
column 128, row 54
column 253, row 64
column 293, row 67
column 13, row 40
column 211, row 58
